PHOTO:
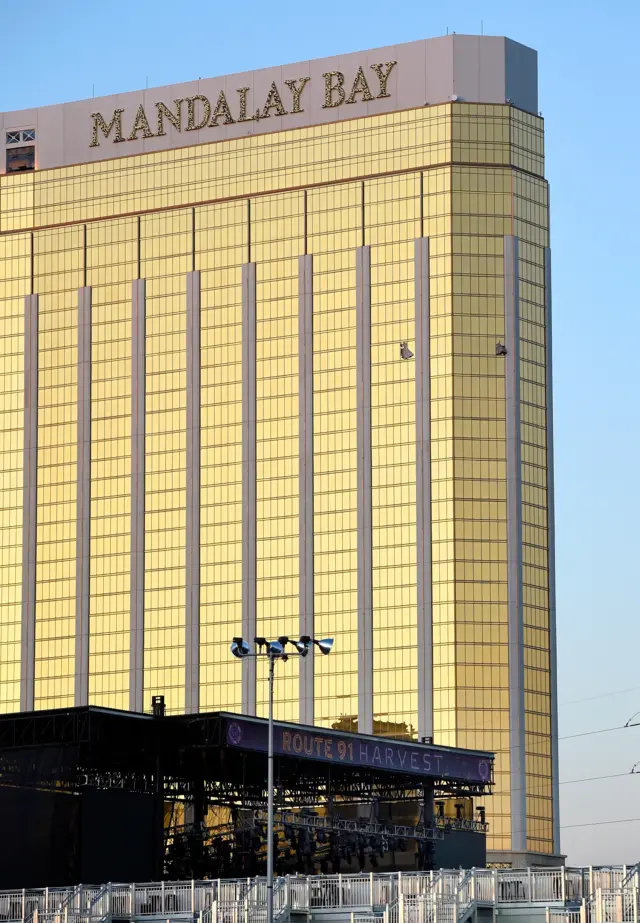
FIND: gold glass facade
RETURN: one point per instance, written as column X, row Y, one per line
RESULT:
column 111, row 260
column 15, row 272
column 221, row 241
column 463, row 175
column 58, row 274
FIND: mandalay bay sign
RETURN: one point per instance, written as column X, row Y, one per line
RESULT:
column 194, row 113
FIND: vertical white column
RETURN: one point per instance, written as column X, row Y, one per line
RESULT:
column 551, row 550
column 192, row 610
column 83, row 499
column 305, row 399
column 514, row 546
column 249, row 491
column 423, row 489
column 29, row 504
column 138, row 394
column 364, row 494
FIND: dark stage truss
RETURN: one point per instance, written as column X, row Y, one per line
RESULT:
column 218, row 761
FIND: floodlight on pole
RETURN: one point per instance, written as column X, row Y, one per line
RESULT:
column 275, row 650
column 240, row 648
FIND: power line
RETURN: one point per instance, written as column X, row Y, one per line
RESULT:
column 603, row 695
column 601, row 823
column 619, row 727
column 617, row 775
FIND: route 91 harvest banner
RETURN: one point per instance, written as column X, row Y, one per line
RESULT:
column 355, row 750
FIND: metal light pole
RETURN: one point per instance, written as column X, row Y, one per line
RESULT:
column 272, row 661
column 274, row 650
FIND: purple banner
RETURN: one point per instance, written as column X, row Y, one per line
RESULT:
column 353, row 750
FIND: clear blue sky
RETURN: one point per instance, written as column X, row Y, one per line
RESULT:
column 589, row 63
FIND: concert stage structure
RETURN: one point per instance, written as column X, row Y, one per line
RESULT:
column 94, row 794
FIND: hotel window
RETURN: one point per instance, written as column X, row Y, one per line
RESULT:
column 15, row 137
column 20, row 159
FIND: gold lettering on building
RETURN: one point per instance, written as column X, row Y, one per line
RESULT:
column 99, row 123
column 243, row 107
column 201, row 113
column 360, row 85
column 273, row 102
column 330, row 88
column 165, row 113
column 222, row 109
column 140, row 123
column 296, row 91
column 383, row 76
column 191, row 112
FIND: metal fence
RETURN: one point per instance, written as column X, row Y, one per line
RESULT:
column 565, row 916
column 419, row 897
column 614, row 906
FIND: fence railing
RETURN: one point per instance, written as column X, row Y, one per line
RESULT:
column 559, row 915
column 614, row 906
column 611, row 894
column 426, row 909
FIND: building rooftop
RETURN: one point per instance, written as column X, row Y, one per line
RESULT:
column 469, row 68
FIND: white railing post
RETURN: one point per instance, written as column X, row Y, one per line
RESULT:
column 400, row 909
column 590, row 880
column 563, row 884
column 339, row 890
column 193, row 896
column 547, row 915
column 583, row 911
column 494, row 885
column 214, row 911
column 371, row 889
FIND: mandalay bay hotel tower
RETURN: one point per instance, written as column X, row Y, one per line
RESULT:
column 275, row 358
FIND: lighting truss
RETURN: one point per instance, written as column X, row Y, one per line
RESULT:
column 344, row 825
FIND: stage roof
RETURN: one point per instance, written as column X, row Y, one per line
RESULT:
column 227, row 753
